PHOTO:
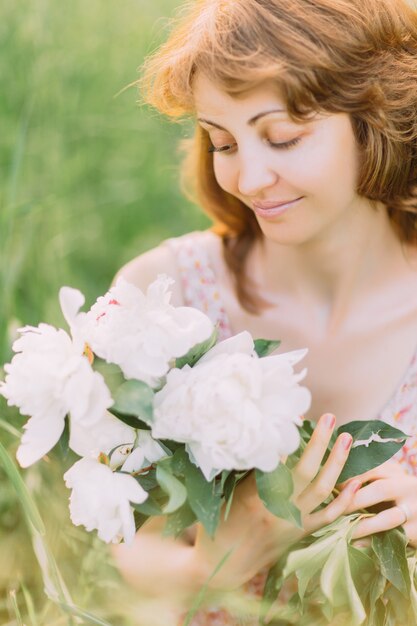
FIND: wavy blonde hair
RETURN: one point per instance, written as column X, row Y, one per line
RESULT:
column 353, row 56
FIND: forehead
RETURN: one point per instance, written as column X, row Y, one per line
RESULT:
column 211, row 100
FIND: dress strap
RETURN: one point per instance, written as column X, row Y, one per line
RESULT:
column 198, row 281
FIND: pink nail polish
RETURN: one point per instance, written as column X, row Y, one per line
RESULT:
column 330, row 420
column 346, row 440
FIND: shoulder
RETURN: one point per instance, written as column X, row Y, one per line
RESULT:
column 166, row 259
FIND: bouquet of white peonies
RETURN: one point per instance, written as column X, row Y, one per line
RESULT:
column 167, row 421
column 157, row 411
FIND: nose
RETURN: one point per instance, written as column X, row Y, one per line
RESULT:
column 255, row 175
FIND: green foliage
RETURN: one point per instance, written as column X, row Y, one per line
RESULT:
column 264, row 347
column 343, row 583
column 197, row 352
column 374, row 442
column 133, row 404
column 275, row 490
column 203, row 498
column 175, row 490
column 390, row 548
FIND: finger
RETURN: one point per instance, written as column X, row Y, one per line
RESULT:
column 385, row 520
column 333, row 510
column 323, row 485
column 310, row 461
column 383, row 490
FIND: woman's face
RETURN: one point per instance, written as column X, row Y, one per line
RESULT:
column 299, row 179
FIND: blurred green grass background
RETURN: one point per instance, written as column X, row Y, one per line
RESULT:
column 88, row 180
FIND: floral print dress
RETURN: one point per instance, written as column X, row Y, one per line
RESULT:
column 200, row 290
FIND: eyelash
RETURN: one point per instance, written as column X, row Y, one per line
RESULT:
column 281, row 146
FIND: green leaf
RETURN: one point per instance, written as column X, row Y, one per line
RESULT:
column 308, row 561
column 172, row 446
column 398, row 605
column 272, row 587
column 203, row 499
column 228, row 491
column 362, row 568
column 412, row 567
column 131, row 421
column 140, row 519
column 264, row 347
column 112, row 374
column 305, row 430
column 134, row 399
column 180, row 462
column 275, row 490
column 337, row 583
column 178, row 521
column 154, row 504
column 63, row 443
column 377, row 614
column 366, row 452
column 175, row 490
column 390, row 548
column 197, row 352
column 147, row 481
column 377, row 588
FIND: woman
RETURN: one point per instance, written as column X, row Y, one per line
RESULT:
column 305, row 155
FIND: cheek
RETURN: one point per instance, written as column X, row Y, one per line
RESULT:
column 225, row 174
column 333, row 162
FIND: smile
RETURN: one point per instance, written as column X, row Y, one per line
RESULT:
column 272, row 209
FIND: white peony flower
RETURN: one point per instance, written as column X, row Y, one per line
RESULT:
column 103, row 435
column 146, row 452
column 71, row 300
column 47, row 379
column 233, row 409
column 100, row 499
column 143, row 333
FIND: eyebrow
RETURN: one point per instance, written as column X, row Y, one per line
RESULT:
column 251, row 122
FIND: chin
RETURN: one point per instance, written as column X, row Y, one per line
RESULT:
column 286, row 235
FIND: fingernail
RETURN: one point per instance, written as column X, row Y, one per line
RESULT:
column 329, row 420
column 346, row 441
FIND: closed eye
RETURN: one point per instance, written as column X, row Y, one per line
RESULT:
column 225, row 148
column 285, row 145
column 279, row 146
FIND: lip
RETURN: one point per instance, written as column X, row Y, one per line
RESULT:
column 273, row 208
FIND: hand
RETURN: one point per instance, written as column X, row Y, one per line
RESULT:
column 254, row 537
column 391, row 484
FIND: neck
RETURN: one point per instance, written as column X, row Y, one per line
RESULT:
column 332, row 272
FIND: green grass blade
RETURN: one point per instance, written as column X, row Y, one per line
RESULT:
column 200, row 597
column 15, row 607
column 29, row 507
column 30, row 607
column 85, row 615
column 9, row 428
